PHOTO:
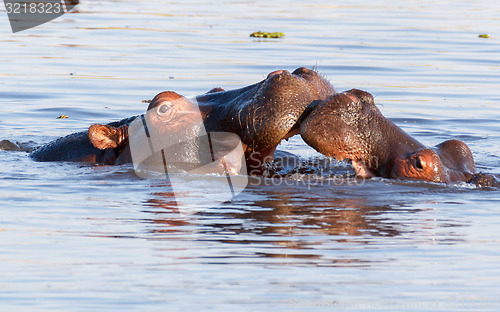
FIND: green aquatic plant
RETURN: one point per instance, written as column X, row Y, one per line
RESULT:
column 262, row 34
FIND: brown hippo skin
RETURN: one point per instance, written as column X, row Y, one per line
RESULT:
column 349, row 126
column 261, row 114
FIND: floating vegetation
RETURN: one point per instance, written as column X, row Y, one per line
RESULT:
column 261, row 34
column 62, row 117
column 486, row 36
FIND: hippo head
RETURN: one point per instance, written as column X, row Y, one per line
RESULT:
column 349, row 126
column 174, row 115
column 167, row 109
column 172, row 133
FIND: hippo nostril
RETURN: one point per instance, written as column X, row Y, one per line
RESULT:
column 276, row 72
column 352, row 97
column 362, row 96
column 302, row 70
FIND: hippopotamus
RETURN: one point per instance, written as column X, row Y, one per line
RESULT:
column 349, row 126
column 262, row 115
column 346, row 126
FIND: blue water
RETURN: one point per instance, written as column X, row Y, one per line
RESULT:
column 77, row 237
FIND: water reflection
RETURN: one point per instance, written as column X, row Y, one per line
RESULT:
column 316, row 225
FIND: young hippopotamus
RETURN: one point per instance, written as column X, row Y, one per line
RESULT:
column 349, row 126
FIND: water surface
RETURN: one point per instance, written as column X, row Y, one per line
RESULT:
column 78, row 237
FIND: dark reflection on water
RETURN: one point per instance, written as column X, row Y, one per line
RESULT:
column 315, row 225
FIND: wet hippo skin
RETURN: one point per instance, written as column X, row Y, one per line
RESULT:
column 78, row 147
column 349, row 126
column 262, row 114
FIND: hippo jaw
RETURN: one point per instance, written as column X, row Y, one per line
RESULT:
column 350, row 126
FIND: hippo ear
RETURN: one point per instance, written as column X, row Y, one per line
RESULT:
column 104, row 136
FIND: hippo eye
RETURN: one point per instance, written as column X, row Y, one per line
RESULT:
column 163, row 109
